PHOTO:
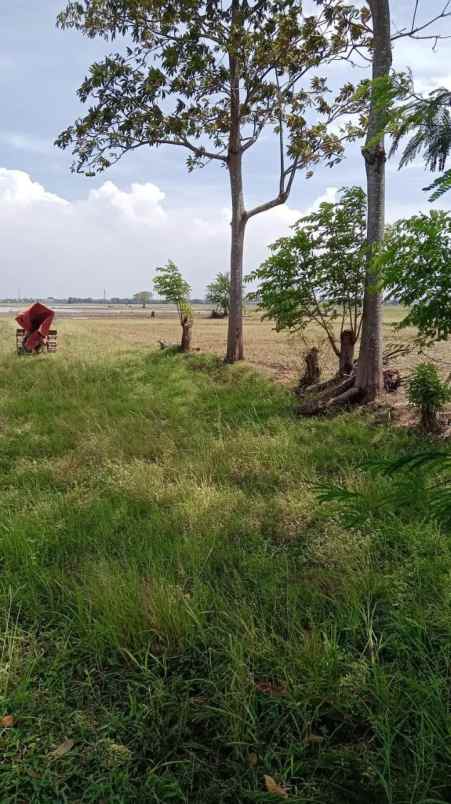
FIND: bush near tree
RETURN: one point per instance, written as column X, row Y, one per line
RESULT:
column 415, row 261
column 428, row 393
column 316, row 275
column 218, row 294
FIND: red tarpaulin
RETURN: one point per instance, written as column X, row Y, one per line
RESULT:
column 36, row 321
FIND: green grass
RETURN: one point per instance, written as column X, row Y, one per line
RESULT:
column 179, row 602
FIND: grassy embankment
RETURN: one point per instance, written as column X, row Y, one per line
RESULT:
column 178, row 603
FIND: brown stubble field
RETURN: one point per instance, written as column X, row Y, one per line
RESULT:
column 278, row 354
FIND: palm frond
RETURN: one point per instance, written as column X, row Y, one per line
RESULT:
column 439, row 186
column 429, row 119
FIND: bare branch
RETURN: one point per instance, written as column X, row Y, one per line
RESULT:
column 281, row 143
column 414, row 30
column 275, row 202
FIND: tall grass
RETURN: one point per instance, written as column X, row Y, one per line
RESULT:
column 182, row 606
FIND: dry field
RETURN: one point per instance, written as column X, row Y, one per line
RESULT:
column 278, row 354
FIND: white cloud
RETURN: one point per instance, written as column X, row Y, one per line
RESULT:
column 140, row 205
column 115, row 237
column 330, row 196
column 18, row 189
column 429, row 83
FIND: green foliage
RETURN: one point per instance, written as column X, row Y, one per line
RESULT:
column 317, row 274
column 172, row 82
column 416, row 261
column 430, row 121
column 143, row 297
column 218, row 293
column 171, row 286
column 177, row 602
column 426, row 391
column 440, row 186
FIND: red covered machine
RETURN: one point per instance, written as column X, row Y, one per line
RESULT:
column 35, row 334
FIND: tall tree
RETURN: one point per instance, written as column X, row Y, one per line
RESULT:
column 208, row 77
column 369, row 380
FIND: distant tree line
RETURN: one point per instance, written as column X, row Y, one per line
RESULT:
column 134, row 300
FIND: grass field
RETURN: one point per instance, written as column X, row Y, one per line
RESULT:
column 182, row 614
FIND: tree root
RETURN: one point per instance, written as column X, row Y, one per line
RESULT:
column 320, row 387
column 339, row 392
column 336, row 393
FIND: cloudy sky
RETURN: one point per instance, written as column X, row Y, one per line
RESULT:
column 62, row 234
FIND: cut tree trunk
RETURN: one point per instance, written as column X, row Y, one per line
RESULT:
column 187, row 326
column 369, row 372
column 429, row 420
column 312, row 371
column 347, row 344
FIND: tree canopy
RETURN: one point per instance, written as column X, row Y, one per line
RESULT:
column 143, row 297
column 170, row 284
column 171, row 84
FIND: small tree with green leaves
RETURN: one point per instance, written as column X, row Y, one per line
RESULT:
column 171, row 286
column 427, row 392
column 416, row 260
column 218, row 294
column 317, row 274
column 143, row 297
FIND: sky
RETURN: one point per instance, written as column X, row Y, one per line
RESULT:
column 62, row 234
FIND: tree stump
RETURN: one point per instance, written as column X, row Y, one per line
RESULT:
column 392, row 380
column 347, row 344
column 312, row 370
column 187, row 325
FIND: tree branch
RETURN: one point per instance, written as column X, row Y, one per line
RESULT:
column 414, row 30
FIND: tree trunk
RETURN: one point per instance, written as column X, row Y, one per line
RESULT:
column 347, row 343
column 429, row 420
column 369, row 370
column 235, row 348
column 187, row 326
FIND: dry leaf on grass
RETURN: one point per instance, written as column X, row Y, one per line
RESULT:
column 274, row 788
column 62, row 749
column 7, row 722
column 252, row 759
column 269, row 688
column 312, row 739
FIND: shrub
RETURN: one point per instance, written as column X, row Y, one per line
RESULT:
column 427, row 392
